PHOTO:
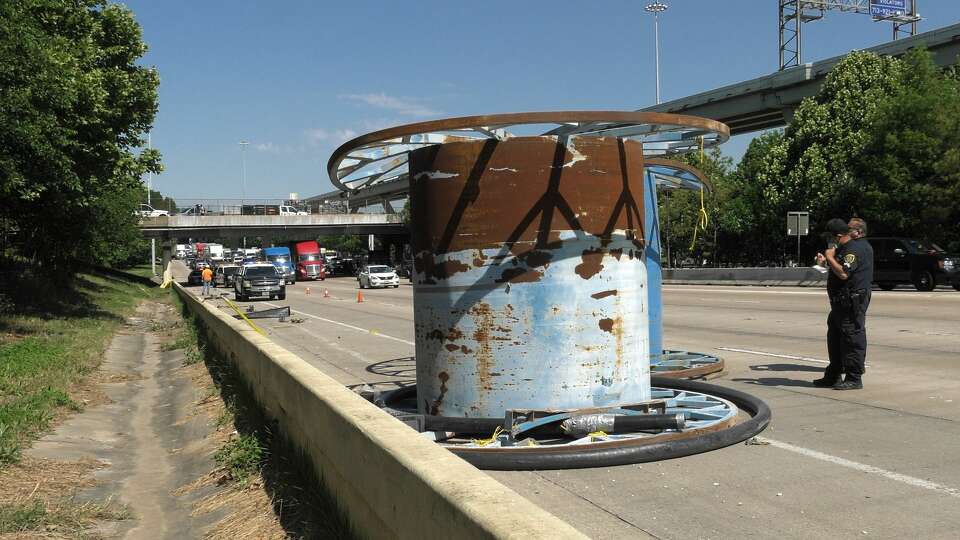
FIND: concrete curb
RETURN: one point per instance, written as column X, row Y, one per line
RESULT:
column 786, row 277
column 391, row 482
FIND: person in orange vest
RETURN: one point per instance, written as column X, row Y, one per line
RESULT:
column 207, row 276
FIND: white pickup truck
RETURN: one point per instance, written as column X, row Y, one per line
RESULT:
column 146, row 210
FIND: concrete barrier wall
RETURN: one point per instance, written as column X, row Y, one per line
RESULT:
column 802, row 277
column 391, row 482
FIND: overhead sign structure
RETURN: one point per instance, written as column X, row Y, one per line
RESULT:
column 882, row 9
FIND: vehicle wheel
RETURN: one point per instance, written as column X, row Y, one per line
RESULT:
column 924, row 281
column 396, row 286
column 956, row 285
column 282, row 296
column 237, row 297
column 886, row 285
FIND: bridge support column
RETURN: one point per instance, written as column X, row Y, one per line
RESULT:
column 166, row 250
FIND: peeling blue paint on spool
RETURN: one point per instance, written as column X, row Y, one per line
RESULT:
column 530, row 275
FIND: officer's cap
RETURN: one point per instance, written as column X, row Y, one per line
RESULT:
column 837, row 226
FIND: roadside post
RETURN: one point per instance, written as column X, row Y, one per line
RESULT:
column 798, row 224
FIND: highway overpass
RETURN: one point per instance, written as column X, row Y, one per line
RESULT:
column 236, row 226
column 769, row 101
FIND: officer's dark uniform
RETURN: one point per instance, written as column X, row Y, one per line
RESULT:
column 849, row 300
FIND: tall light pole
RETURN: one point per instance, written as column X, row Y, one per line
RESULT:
column 656, row 8
column 243, row 169
column 153, row 241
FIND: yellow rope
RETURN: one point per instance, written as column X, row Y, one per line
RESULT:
column 484, row 442
column 244, row 317
column 702, row 218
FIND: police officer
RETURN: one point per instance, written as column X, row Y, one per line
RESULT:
column 850, row 261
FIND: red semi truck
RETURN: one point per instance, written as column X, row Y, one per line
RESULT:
column 309, row 260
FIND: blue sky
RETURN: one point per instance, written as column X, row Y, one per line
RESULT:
column 297, row 78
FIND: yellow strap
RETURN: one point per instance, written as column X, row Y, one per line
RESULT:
column 244, row 317
column 702, row 219
column 484, row 442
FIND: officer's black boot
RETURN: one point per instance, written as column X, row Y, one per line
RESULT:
column 849, row 384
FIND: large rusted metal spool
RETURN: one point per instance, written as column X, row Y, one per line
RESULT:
column 530, row 279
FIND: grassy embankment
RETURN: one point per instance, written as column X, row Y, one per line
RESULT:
column 52, row 336
column 256, row 455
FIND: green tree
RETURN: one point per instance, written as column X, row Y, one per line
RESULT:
column 909, row 169
column 344, row 243
column 75, row 106
column 158, row 201
column 813, row 165
column 680, row 210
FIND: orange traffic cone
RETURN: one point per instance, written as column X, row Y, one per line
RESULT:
column 326, row 293
column 306, row 291
column 359, row 297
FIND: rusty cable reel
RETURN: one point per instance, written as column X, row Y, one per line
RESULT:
column 381, row 156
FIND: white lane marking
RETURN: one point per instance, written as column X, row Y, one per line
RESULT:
column 761, row 353
column 775, row 355
column 862, row 467
column 350, row 326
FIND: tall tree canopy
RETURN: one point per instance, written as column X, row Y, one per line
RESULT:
column 881, row 140
column 74, row 107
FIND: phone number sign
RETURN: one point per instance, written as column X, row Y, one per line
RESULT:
column 887, row 8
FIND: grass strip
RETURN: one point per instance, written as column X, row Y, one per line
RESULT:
column 53, row 333
column 261, row 454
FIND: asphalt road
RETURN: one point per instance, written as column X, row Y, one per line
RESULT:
column 881, row 462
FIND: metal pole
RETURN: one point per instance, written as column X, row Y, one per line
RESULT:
column 243, row 172
column 656, row 26
column 656, row 8
column 798, row 241
column 153, row 241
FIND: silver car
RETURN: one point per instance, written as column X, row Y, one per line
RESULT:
column 376, row 275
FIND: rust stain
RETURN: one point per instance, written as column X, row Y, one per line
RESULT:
column 592, row 263
column 604, row 294
column 465, row 350
column 482, row 335
column 519, row 275
column 482, row 208
column 435, row 334
column 452, row 347
column 425, row 264
column 606, row 325
column 479, row 259
column 454, row 334
column 616, row 253
column 435, row 407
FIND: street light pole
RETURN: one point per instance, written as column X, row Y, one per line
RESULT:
column 153, row 241
column 243, row 169
column 656, row 8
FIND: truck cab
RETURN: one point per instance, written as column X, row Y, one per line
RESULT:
column 280, row 257
column 309, row 260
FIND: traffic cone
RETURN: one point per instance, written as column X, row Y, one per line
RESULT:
column 306, row 291
column 326, row 293
column 359, row 297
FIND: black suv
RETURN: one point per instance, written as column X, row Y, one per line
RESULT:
column 905, row 260
column 259, row 280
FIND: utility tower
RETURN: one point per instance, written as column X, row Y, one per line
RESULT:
column 794, row 13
